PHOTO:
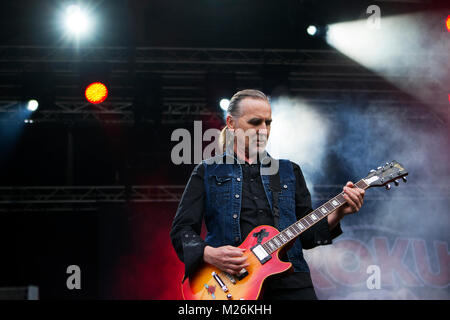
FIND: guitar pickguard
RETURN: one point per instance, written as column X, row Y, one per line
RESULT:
column 260, row 235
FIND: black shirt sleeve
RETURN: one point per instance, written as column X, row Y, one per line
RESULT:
column 187, row 224
column 320, row 233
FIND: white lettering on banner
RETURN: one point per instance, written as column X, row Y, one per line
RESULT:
column 380, row 267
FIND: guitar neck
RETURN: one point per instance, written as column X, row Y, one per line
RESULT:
column 294, row 230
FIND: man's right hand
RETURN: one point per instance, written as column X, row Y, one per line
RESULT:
column 227, row 258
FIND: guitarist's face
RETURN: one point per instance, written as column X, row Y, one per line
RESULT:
column 254, row 121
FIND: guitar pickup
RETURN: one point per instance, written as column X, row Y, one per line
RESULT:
column 261, row 254
column 242, row 274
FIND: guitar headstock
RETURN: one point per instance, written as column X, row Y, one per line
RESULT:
column 382, row 176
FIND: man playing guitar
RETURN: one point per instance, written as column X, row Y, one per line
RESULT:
column 233, row 197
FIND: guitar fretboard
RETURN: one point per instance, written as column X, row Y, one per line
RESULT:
column 294, row 230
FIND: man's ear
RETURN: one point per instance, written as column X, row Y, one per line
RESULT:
column 230, row 122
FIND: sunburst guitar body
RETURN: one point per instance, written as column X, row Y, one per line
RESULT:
column 206, row 283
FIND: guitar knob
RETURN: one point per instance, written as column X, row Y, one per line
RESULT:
column 404, row 179
column 388, row 187
column 229, row 296
column 396, row 183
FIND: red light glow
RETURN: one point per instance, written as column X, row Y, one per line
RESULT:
column 96, row 92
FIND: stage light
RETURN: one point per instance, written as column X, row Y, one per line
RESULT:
column 311, row 30
column 32, row 105
column 401, row 49
column 96, row 92
column 224, row 103
column 76, row 20
column 448, row 23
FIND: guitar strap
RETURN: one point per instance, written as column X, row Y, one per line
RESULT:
column 275, row 186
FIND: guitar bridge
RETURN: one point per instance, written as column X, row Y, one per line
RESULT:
column 230, row 277
column 219, row 282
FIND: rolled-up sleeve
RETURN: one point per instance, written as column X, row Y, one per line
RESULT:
column 320, row 233
column 187, row 224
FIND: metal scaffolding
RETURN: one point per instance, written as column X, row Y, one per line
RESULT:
column 87, row 198
column 322, row 78
column 117, row 112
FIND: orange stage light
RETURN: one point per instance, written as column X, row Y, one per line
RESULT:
column 96, row 92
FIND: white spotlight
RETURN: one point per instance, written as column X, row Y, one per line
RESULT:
column 224, row 103
column 312, row 30
column 408, row 54
column 77, row 21
column 32, row 105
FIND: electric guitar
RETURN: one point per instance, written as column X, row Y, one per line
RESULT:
column 210, row 283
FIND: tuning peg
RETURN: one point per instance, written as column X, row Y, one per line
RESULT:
column 373, row 170
column 388, row 187
column 404, row 179
column 396, row 183
column 378, row 168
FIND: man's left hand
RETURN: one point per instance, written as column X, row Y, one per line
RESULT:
column 354, row 197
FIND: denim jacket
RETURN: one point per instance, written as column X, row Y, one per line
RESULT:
column 223, row 187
